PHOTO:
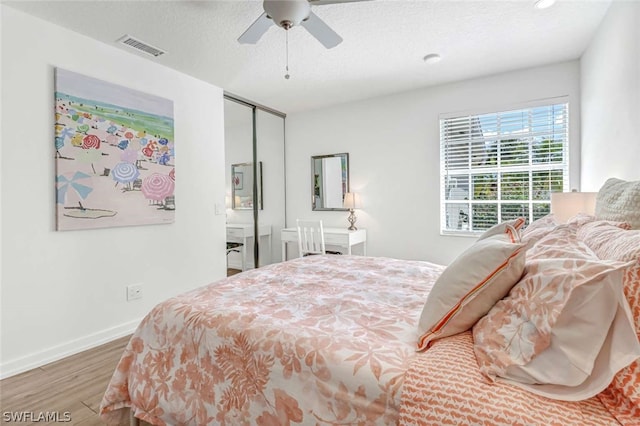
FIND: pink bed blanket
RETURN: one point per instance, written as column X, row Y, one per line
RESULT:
column 323, row 340
column 318, row 340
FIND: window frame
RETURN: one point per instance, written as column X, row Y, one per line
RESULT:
column 530, row 167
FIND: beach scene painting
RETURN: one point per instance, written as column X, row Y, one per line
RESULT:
column 115, row 155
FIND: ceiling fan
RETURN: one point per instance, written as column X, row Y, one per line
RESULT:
column 289, row 13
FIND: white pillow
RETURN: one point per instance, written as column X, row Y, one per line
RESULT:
column 472, row 284
column 501, row 228
column 619, row 200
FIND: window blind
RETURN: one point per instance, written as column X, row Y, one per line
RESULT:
column 502, row 165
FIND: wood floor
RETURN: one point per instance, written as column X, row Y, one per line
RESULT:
column 74, row 385
column 231, row 271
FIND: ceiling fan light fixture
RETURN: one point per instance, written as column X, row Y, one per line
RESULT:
column 543, row 4
column 287, row 13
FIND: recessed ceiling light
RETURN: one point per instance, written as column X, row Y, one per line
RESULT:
column 543, row 4
column 432, row 58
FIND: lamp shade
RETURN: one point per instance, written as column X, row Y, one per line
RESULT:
column 565, row 205
column 351, row 201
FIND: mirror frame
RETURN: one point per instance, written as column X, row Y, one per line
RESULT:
column 345, row 181
column 233, row 189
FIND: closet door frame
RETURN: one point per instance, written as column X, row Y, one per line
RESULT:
column 256, row 207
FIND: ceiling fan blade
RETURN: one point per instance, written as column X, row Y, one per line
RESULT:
column 322, row 2
column 256, row 30
column 321, row 31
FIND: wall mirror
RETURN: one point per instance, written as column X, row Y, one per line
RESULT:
column 242, row 186
column 329, row 181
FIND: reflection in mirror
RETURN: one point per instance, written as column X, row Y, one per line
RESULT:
column 329, row 181
column 242, row 186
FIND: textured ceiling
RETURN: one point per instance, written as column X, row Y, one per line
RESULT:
column 384, row 42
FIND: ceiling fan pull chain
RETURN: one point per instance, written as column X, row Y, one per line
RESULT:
column 286, row 76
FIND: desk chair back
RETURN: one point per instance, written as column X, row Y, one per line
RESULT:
column 310, row 237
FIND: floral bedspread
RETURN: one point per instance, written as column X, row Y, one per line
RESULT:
column 318, row 340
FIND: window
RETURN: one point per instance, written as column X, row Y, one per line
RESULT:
column 499, row 166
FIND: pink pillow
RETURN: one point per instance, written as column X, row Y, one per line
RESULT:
column 468, row 288
column 622, row 397
column 534, row 338
column 539, row 228
column 548, row 224
column 561, row 242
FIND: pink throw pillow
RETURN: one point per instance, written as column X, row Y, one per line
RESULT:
column 534, row 338
column 608, row 241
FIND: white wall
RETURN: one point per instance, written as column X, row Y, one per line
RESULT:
column 610, row 91
column 394, row 158
column 65, row 291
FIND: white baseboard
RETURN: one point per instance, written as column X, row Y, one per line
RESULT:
column 38, row 359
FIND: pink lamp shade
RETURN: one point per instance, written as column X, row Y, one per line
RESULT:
column 565, row 205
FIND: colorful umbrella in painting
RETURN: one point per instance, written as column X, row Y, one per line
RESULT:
column 163, row 141
column 172, row 174
column 65, row 183
column 76, row 140
column 123, row 144
column 112, row 129
column 83, row 191
column 91, row 141
column 128, row 135
column 59, row 146
column 112, row 139
column 129, row 156
column 164, row 159
column 125, row 172
column 89, row 156
column 66, row 133
column 157, row 187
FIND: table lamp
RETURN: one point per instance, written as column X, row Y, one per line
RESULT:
column 565, row 205
column 351, row 202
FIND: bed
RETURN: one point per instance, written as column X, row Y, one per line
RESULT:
column 332, row 340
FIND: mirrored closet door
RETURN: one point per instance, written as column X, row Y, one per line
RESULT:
column 255, row 185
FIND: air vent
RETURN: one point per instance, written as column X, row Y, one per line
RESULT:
column 140, row 45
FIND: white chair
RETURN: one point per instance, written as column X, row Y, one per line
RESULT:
column 310, row 237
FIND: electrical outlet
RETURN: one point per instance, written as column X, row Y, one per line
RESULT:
column 134, row 291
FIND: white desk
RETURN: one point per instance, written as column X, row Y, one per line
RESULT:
column 340, row 237
column 241, row 232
